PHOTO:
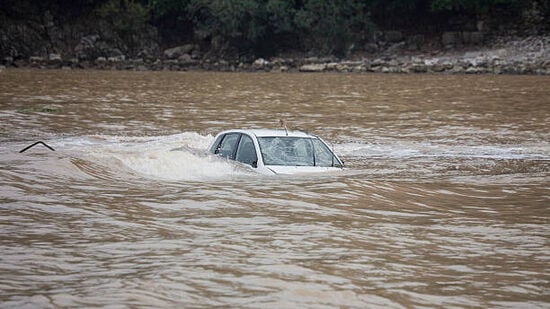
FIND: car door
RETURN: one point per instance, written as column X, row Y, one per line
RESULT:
column 246, row 152
column 228, row 145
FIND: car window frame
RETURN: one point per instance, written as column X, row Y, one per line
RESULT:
column 243, row 136
column 234, row 151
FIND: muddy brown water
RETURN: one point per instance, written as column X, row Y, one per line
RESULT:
column 445, row 200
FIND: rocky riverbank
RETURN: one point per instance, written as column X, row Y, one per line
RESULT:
column 500, row 55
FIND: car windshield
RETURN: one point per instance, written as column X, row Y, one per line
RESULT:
column 296, row 151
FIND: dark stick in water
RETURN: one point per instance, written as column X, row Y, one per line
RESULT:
column 39, row 142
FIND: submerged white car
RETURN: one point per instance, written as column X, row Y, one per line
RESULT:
column 276, row 151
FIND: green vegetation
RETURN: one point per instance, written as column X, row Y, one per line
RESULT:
column 472, row 5
column 251, row 28
column 265, row 27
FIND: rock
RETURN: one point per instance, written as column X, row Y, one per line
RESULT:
column 376, row 69
column 8, row 60
column 415, row 42
column 457, row 69
column 497, row 70
column 450, row 39
column 472, row 38
column 186, row 59
column 419, row 68
column 36, row 59
column 146, row 55
column 280, row 69
column 393, row 36
column 114, row 52
column 332, row 66
column 281, row 61
column 480, row 62
column 54, row 58
column 37, row 62
column 260, row 64
column 371, row 48
column 394, row 49
column 473, row 70
column 116, row 59
column 178, row 51
column 313, row 60
column 377, row 62
column 19, row 63
column 86, row 49
column 472, row 54
column 319, row 67
column 359, row 68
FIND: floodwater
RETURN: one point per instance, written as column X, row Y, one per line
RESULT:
column 444, row 203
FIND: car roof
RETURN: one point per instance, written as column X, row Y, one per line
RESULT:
column 271, row 132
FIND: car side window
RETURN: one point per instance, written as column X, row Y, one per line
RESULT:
column 246, row 153
column 227, row 147
column 323, row 155
column 216, row 144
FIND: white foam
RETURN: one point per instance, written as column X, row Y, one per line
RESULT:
column 179, row 165
column 174, row 157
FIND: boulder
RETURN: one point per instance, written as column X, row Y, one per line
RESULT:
column 8, row 60
column 415, row 42
column 186, row 59
column 332, row 66
column 371, row 48
column 474, row 70
column 281, row 61
column 178, row 51
column 438, row 68
column 114, row 52
column 120, row 58
column 457, row 69
column 393, row 36
column 19, row 63
column 260, row 64
column 37, row 62
column 315, row 67
column 377, row 62
column 359, row 68
column 313, row 60
column 472, row 38
column 449, row 39
column 54, row 58
column 85, row 49
column 419, row 68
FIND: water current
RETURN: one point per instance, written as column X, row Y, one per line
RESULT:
column 444, row 202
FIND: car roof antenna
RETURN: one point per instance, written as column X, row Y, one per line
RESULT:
column 283, row 124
